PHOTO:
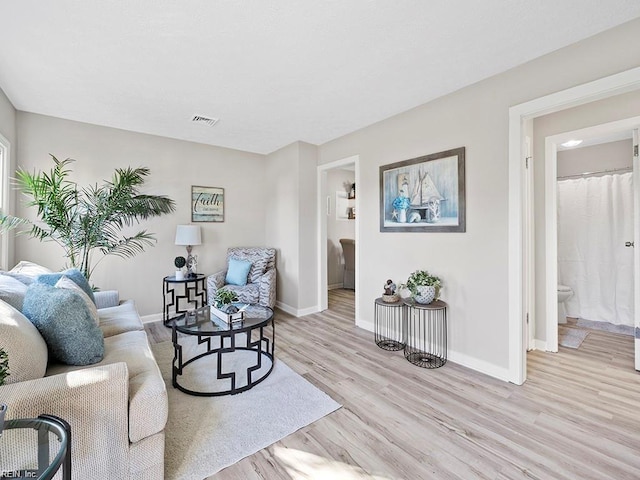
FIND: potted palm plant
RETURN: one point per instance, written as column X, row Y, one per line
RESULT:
column 424, row 287
column 83, row 220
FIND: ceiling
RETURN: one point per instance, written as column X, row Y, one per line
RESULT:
column 273, row 71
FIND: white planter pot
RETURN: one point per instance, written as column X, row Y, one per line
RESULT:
column 179, row 275
column 425, row 294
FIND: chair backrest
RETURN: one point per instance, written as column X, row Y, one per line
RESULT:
column 349, row 252
column 261, row 258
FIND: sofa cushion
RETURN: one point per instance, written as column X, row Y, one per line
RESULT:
column 120, row 319
column 12, row 291
column 65, row 323
column 66, row 282
column 237, row 272
column 74, row 274
column 24, row 345
column 29, row 269
column 148, row 404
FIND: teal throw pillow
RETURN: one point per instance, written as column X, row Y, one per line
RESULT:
column 66, row 324
column 237, row 272
column 74, row 274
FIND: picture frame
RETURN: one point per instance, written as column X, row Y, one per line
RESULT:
column 424, row 194
column 207, row 204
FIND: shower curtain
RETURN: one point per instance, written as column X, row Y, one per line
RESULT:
column 595, row 219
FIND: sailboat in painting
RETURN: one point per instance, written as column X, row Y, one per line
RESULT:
column 426, row 197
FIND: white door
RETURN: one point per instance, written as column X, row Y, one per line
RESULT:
column 636, row 243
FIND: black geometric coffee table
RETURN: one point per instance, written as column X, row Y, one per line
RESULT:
column 252, row 340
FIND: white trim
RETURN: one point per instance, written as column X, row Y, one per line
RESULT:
column 539, row 345
column 322, row 231
column 367, row 325
column 551, row 244
column 6, row 199
column 481, row 366
column 154, row 317
column 605, row 87
column 297, row 312
column 636, row 249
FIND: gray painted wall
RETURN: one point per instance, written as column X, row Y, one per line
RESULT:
column 472, row 265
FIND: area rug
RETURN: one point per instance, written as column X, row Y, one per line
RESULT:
column 571, row 337
column 206, row 434
column 606, row 327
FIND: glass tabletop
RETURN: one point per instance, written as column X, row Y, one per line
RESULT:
column 203, row 321
column 34, row 448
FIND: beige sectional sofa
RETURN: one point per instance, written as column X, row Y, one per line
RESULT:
column 117, row 408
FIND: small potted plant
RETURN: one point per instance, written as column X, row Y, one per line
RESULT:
column 223, row 298
column 424, row 287
column 180, row 262
column 4, row 366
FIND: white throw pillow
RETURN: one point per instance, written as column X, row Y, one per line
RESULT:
column 29, row 269
column 24, row 345
column 66, row 282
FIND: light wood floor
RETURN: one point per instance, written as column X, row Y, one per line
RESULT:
column 576, row 417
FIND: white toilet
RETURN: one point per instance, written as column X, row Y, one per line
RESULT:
column 564, row 293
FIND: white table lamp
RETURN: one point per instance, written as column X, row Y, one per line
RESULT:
column 189, row 235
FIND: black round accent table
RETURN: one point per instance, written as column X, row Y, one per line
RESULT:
column 389, row 324
column 426, row 340
column 194, row 295
column 228, row 358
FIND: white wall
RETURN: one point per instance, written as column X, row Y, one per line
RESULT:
column 291, row 224
column 175, row 166
column 473, row 265
column 338, row 180
column 596, row 158
column 281, row 225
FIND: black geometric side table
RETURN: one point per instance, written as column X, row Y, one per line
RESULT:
column 426, row 344
column 192, row 296
column 389, row 323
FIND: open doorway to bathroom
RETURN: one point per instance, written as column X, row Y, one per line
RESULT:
column 337, row 243
column 595, row 224
column 590, row 231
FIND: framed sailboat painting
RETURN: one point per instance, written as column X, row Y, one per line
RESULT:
column 424, row 194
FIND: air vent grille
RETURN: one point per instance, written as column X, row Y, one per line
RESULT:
column 205, row 120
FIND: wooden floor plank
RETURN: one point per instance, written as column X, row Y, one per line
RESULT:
column 576, row 417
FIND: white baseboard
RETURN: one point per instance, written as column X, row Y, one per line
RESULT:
column 459, row 358
column 539, row 345
column 154, row 317
column 334, row 286
column 296, row 312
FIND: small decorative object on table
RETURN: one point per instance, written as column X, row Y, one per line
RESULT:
column 180, row 262
column 224, row 308
column 390, row 295
column 424, row 287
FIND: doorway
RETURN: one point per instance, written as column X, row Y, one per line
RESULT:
column 572, row 272
column 337, row 218
column 521, row 117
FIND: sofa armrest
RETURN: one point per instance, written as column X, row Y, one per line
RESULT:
column 214, row 283
column 107, row 298
column 267, row 285
column 94, row 401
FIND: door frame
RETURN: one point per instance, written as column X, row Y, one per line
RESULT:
column 323, row 212
column 551, row 216
column 520, row 118
column 5, row 201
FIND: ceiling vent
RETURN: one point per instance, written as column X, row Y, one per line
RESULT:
column 210, row 122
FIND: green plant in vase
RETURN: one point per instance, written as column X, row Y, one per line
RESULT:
column 224, row 297
column 423, row 286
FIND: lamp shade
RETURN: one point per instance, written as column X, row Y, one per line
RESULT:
column 188, row 235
